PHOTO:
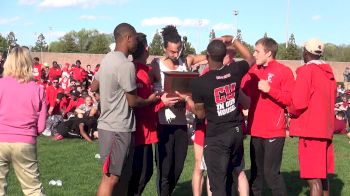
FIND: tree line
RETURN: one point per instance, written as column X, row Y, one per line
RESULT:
column 93, row 41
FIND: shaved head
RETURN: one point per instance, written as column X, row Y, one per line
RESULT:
column 122, row 30
column 216, row 50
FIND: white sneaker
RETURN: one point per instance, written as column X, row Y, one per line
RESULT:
column 47, row 132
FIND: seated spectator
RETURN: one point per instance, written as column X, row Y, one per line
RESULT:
column 346, row 75
column 343, row 104
column 45, row 73
column 64, row 82
column 88, row 114
column 78, row 73
column 55, row 71
column 37, row 69
column 66, row 129
column 84, row 109
column 340, row 123
column 66, row 68
column 71, row 86
column 83, row 125
column 51, row 94
column 56, row 117
column 341, row 89
column 89, row 76
column 74, row 102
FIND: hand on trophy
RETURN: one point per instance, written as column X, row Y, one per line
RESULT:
column 169, row 101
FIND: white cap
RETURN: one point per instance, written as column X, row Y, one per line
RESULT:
column 314, row 46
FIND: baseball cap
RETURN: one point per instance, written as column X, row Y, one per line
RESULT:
column 314, row 46
column 46, row 65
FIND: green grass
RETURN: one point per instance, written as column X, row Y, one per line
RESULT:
column 73, row 161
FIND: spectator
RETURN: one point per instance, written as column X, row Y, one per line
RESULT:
column 341, row 89
column 51, row 94
column 20, row 122
column 85, row 112
column 46, row 71
column 90, row 76
column 56, row 117
column 340, row 123
column 74, row 102
column 78, row 72
column 64, row 82
column 3, row 55
column 38, row 69
column 55, row 71
column 66, row 68
column 346, row 75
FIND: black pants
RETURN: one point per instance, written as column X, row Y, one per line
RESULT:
column 171, row 154
column 142, row 169
column 266, row 158
column 222, row 153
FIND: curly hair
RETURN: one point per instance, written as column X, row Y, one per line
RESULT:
column 170, row 34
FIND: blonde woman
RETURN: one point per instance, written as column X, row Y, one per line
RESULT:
column 23, row 112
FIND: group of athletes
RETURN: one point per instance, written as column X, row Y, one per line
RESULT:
column 136, row 113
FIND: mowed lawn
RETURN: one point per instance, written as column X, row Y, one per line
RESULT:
column 73, row 161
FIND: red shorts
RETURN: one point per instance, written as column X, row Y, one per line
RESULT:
column 316, row 158
column 199, row 134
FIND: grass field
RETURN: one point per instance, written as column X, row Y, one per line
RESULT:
column 73, row 161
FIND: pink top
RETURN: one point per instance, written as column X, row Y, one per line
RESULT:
column 23, row 111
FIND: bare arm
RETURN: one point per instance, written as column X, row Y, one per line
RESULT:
column 95, row 85
column 196, row 108
column 200, row 110
column 136, row 101
column 246, row 55
column 194, row 59
column 79, row 111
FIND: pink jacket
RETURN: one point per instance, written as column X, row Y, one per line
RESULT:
column 23, row 111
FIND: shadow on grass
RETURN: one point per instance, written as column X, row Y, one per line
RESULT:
column 297, row 186
column 183, row 188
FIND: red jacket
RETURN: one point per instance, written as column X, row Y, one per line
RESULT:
column 78, row 74
column 51, row 95
column 54, row 72
column 146, row 117
column 37, row 71
column 314, row 95
column 339, row 126
column 73, row 104
column 266, row 116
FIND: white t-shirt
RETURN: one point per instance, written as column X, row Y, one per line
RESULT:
column 174, row 115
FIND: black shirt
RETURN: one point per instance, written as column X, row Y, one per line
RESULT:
column 218, row 90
